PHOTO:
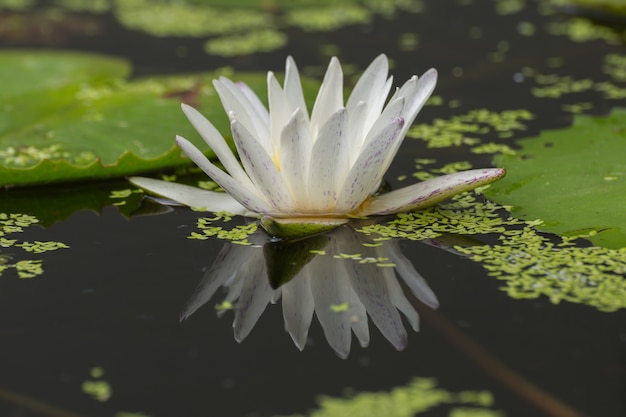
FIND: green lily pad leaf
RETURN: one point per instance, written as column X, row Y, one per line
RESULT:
column 68, row 116
column 573, row 179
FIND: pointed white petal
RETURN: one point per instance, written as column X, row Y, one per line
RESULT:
column 216, row 142
column 225, row 267
column 355, row 135
column 399, row 300
column 370, row 84
column 256, row 294
column 280, row 113
column 372, row 291
column 296, row 145
column 191, row 196
column 366, row 169
column 428, row 193
column 416, row 92
column 330, row 97
column 358, row 320
column 298, row 307
column 376, row 105
column 330, row 288
column 293, row 88
column 391, row 112
column 329, row 163
column 416, row 283
column 418, row 97
column 235, row 101
column 261, row 169
column 245, row 196
column 256, row 102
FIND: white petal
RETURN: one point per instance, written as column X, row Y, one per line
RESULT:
column 366, row 169
column 329, row 98
column 256, row 102
column 376, row 105
column 355, row 135
column 330, row 288
column 358, row 320
column 216, row 142
column 226, row 265
column 428, row 193
column 296, row 145
column 293, row 88
column 370, row 84
column 280, row 112
column 372, row 291
column 191, row 196
column 245, row 196
column 416, row 283
column 399, row 300
column 329, row 163
column 418, row 97
column 235, row 101
column 261, row 168
column 255, row 296
column 391, row 112
column 298, row 307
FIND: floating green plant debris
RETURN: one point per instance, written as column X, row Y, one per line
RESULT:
column 531, row 265
column 417, row 397
column 264, row 40
column 467, row 129
column 237, row 234
column 11, row 223
column 328, row 18
column 583, row 30
column 463, row 215
column 617, row 7
column 179, row 18
column 507, row 7
column 574, row 179
column 97, row 388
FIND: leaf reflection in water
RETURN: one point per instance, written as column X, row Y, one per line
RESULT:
column 342, row 276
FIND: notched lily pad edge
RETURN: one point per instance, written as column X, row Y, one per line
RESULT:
column 65, row 171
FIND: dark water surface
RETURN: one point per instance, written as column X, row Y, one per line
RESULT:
column 114, row 298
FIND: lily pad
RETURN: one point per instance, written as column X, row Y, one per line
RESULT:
column 573, row 179
column 70, row 116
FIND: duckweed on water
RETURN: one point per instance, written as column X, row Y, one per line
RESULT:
column 264, row 40
column 419, row 396
column 328, row 18
column 530, row 264
column 238, row 234
column 16, row 223
column 467, row 129
column 583, row 30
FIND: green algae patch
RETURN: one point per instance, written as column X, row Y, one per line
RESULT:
column 530, row 264
column 615, row 7
column 12, row 223
column 419, row 396
column 96, row 387
column 238, row 234
column 469, row 129
column 574, row 179
column 264, row 40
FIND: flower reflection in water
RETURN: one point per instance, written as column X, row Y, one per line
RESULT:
column 342, row 277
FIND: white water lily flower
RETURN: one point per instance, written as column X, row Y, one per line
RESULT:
column 306, row 173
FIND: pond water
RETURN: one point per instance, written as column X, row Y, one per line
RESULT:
column 98, row 333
